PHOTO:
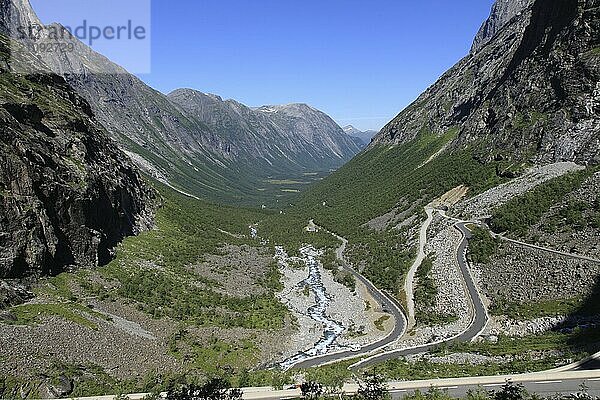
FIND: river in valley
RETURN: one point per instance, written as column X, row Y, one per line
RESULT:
column 318, row 312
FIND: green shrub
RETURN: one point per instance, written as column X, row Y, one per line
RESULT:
column 482, row 245
column 152, row 268
column 426, row 290
column 214, row 389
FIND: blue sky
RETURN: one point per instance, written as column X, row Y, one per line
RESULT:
column 359, row 61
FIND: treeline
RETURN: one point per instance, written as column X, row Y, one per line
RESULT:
column 382, row 257
column 335, row 266
column 373, row 388
column 163, row 295
column 368, row 186
column 425, row 294
column 153, row 269
column 575, row 215
column 426, row 291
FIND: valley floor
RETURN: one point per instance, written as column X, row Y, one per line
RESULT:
column 213, row 295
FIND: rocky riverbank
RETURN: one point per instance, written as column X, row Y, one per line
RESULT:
column 354, row 312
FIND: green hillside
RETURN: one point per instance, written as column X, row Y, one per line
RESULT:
column 387, row 177
column 384, row 177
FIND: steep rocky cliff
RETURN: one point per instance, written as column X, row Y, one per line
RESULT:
column 68, row 196
column 532, row 93
column 502, row 12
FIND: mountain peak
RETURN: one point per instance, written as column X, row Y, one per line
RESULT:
column 194, row 94
column 363, row 136
column 295, row 107
column 304, row 134
column 14, row 14
column 351, row 130
column 528, row 93
column 502, row 12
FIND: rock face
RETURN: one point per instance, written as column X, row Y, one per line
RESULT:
column 517, row 274
column 189, row 149
column 14, row 14
column 531, row 93
column 502, row 12
column 67, row 194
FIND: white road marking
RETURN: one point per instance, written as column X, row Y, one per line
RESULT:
column 547, row 382
column 449, row 388
column 594, row 379
column 398, row 390
column 494, row 385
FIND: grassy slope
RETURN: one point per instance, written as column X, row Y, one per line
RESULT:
column 187, row 230
column 521, row 213
column 513, row 355
column 367, row 187
column 233, row 183
column 378, row 179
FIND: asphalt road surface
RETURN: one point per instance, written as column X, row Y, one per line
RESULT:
column 542, row 383
column 480, row 314
column 543, row 388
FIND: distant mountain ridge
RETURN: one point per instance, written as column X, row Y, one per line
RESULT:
column 280, row 134
column 363, row 136
column 203, row 158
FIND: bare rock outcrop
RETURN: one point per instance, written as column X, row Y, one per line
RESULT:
column 530, row 94
column 68, row 196
column 502, row 12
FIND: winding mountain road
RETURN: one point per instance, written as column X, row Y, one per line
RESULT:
column 546, row 249
column 477, row 325
column 479, row 317
column 567, row 379
column 386, row 302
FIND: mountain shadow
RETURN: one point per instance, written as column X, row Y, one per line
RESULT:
column 584, row 323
